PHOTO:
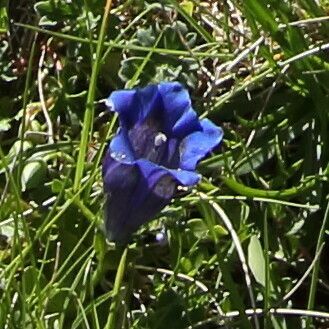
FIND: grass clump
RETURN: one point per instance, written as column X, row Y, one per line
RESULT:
column 247, row 247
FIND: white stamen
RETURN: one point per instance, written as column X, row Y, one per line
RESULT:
column 159, row 139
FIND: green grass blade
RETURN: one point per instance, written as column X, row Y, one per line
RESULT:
column 89, row 113
column 115, row 304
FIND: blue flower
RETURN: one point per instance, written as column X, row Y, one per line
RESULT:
column 157, row 147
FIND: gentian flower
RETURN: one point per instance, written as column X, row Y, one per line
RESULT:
column 157, row 147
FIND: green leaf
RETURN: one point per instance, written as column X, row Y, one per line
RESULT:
column 188, row 7
column 33, row 174
column 55, row 10
column 256, row 260
column 220, row 230
column 5, row 124
column 145, row 37
column 259, row 10
column 3, row 16
column 198, row 227
column 13, row 153
column 56, row 185
column 186, row 264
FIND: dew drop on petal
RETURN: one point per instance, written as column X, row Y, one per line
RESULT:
column 118, row 156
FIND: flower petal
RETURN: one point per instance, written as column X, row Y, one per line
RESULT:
column 195, row 146
column 142, row 138
column 150, row 102
column 186, row 124
column 134, row 105
column 133, row 197
column 120, row 181
column 181, row 177
column 170, row 158
column 121, row 148
column 185, row 177
column 125, row 103
column 152, row 174
column 175, row 101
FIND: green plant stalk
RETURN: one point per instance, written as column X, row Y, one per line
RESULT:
column 90, row 308
column 178, row 258
column 85, row 210
column 51, row 219
column 17, row 195
column 89, row 114
column 254, row 192
column 17, row 241
column 224, row 266
column 16, row 184
column 115, row 304
column 197, row 27
column 89, row 31
column 174, row 52
column 44, row 294
column 267, row 272
column 98, row 157
column 260, row 74
column 100, row 255
column 73, row 288
column 130, row 25
column 25, row 99
column 315, row 272
column 194, row 200
column 134, row 80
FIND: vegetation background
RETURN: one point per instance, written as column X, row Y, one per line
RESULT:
column 247, row 247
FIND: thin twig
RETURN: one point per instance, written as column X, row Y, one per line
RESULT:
column 304, row 54
column 261, row 312
column 41, row 76
column 255, row 199
column 244, row 53
column 303, row 22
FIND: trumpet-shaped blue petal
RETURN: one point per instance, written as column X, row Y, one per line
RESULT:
column 133, row 197
column 179, row 176
column 134, row 105
column 176, row 101
column 186, row 124
column 125, row 103
column 121, row 148
column 196, row 145
column 157, row 147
